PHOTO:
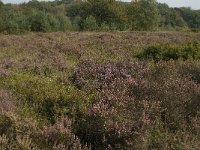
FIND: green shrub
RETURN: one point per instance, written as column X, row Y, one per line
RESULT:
column 46, row 97
column 77, row 23
column 90, row 24
column 13, row 23
column 65, row 23
column 167, row 52
column 39, row 22
column 104, row 27
column 12, row 27
column 53, row 22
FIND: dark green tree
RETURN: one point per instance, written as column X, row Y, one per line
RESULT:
column 191, row 17
column 65, row 23
column 105, row 11
column 100, row 15
column 39, row 22
column 143, row 15
column 90, row 24
column 170, row 18
column 73, row 9
column 1, row 4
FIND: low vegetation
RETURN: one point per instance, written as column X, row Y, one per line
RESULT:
column 100, row 91
column 168, row 52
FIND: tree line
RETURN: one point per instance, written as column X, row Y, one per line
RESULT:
column 96, row 15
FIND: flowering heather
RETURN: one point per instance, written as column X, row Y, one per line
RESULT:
column 85, row 91
column 130, row 99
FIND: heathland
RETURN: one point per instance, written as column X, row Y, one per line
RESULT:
column 89, row 90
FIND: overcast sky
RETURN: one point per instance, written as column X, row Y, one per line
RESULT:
column 195, row 4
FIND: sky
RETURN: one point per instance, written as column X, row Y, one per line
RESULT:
column 195, row 4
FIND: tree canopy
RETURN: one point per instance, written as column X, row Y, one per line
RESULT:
column 95, row 15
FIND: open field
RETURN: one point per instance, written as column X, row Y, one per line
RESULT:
column 87, row 90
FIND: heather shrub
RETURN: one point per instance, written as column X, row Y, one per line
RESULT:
column 21, row 143
column 5, row 124
column 27, row 134
column 7, row 101
column 191, row 69
column 97, row 76
column 58, row 136
column 52, row 98
column 132, row 101
column 122, row 120
column 182, row 139
column 177, row 94
column 25, row 131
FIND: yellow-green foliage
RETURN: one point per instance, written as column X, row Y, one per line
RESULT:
column 167, row 52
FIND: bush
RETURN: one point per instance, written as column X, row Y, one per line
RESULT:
column 5, row 124
column 104, row 27
column 132, row 101
column 167, row 52
column 54, row 23
column 46, row 98
column 90, row 24
column 65, row 23
column 77, row 23
column 14, row 23
column 39, row 22
column 191, row 69
column 27, row 134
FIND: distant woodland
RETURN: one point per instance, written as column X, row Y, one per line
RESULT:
column 96, row 15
